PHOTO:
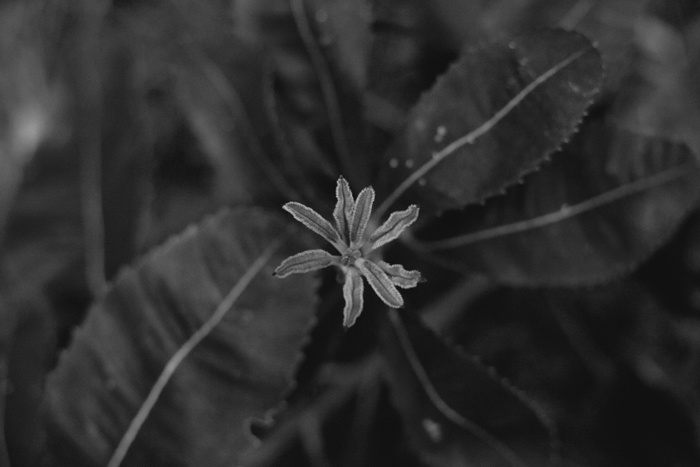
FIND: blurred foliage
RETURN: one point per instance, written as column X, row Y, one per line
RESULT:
column 553, row 147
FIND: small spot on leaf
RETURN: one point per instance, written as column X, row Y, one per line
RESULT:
column 433, row 429
column 440, row 134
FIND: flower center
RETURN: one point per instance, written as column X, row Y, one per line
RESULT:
column 350, row 256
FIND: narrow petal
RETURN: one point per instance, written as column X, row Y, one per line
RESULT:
column 313, row 221
column 400, row 276
column 306, row 261
column 343, row 207
column 380, row 282
column 360, row 214
column 353, row 291
column 394, row 226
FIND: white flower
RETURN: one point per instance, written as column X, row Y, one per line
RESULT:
column 348, row 237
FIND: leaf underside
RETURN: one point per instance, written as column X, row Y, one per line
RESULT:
column 240, row 370
column 471, row 93
column 600, row 208
column 472, row 416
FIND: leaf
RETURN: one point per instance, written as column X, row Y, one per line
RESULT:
column 603, row 206
column 495, row 115
column 33, row 98
column 661, row 95
column 455, row 410
column 27, row 346
column 240, row 369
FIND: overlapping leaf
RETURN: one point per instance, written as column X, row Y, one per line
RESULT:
column 239, row 370
column 495, row 115
column 604, row 205
column 455, row 411
column 611, row 23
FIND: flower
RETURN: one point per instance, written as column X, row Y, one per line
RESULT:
column 348, row 237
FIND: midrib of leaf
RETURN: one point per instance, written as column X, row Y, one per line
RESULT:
column 179, row 356
column 443, row 407
column 233, row 101
column 328, row 89
column 566, row 212
column 473, row 135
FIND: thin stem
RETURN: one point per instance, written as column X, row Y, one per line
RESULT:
column 175, row 361
column 455, row 417
column 472, row 136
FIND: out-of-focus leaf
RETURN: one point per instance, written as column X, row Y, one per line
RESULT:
column 203, row 102
column 6, row 331
column 45, row 247
column 603, row 206
column 28, row 342
column 661, row 95
column 494, row 116
column 577, row 352
column 321, row 52
column 455, row 410
column 409, row 52
column 238, row 371
column 32, row 104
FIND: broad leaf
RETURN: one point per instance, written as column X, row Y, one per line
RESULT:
column 494, row 116
column 611, row 23
column 604, row 205
column 455, row 410
column 153, row 311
